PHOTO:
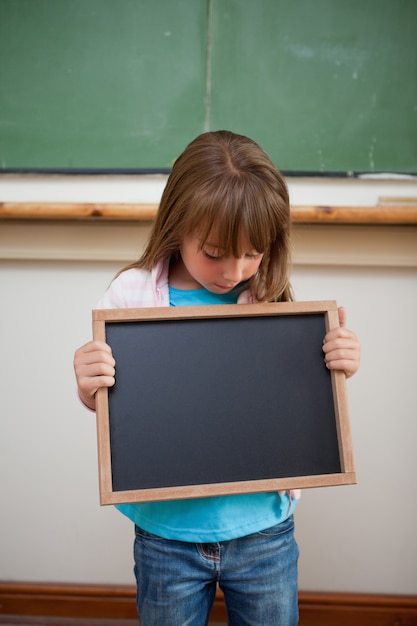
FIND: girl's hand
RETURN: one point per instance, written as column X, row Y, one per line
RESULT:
column 94, row 368
column 341, row 348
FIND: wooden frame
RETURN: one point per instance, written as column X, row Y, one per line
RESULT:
column 162, row 431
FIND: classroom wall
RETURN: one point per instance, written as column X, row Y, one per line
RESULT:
column 354, row 538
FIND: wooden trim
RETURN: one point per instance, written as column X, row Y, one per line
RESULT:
column 386, row 212
column 389, row 214
column 356, row 609
column 67, row 600
column 77, row 211
column 118, row 602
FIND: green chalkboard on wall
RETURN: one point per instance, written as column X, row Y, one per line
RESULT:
column 97, row 85
column 100, row 84
column 324, row 86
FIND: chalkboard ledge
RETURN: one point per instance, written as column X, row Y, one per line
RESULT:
column 401, row 211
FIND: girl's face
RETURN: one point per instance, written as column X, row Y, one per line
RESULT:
column 207, row 266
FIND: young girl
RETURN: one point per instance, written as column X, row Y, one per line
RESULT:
column 221, row 235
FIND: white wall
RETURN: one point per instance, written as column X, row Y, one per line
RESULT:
column 358, row 538
column 363, row 537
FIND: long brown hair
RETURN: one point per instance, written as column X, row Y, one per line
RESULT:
column 226, row 181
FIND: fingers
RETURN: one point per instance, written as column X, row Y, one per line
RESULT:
column 94, row 367
column 342, row 316
column 342, row 349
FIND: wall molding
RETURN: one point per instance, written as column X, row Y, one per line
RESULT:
column 117, row 602
column 122, row 242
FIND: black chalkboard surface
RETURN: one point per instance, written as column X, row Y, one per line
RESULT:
column 214, row 400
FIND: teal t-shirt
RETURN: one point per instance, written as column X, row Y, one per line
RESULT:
column 193, row 297
column 216, row 518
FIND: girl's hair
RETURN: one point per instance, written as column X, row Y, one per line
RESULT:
column 226, row 182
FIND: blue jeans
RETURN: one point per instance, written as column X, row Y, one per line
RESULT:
column 176, row 581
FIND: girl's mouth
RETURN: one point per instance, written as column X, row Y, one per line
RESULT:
column 225, row 287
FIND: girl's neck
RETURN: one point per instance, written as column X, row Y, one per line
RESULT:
column 180, row 278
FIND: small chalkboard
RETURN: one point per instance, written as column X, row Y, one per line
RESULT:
column 216, row 400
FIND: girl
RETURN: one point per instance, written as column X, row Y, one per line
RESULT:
column 221, row 235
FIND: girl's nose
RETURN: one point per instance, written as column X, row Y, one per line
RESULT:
column 234, row 270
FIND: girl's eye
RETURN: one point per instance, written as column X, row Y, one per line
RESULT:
column 212, row 254
column 254, row 255
column 216, row 255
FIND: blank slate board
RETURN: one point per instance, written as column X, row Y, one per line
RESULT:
column 215, row 400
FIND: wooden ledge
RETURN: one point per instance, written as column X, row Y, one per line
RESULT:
column 402, row 212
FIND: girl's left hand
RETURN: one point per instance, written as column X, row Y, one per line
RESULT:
column 342, row 348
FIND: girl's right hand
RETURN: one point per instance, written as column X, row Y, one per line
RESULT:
column 94, row 368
